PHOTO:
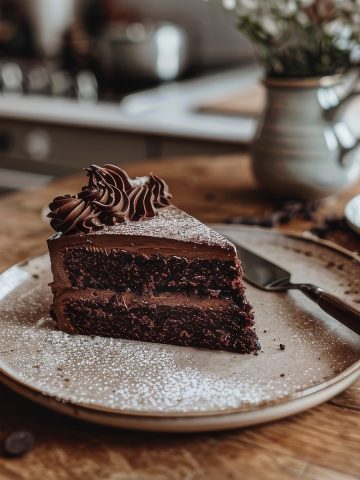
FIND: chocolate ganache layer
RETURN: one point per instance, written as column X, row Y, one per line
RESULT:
column 128, row 264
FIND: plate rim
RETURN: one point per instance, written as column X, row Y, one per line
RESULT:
column 352, row 370
column 185, row 424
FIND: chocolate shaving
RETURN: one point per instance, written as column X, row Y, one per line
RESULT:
column 286, row 212
column 18, row 443
column 329, row 224
column 280, row 216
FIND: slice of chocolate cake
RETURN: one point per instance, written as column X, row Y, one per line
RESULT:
column 128, row 264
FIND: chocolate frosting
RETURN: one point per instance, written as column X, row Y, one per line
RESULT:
column 110, row 197
column 68, row 212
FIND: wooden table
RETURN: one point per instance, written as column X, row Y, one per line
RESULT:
column 321, row 444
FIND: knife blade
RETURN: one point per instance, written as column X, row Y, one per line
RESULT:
column 268, row 276
column 260, row 272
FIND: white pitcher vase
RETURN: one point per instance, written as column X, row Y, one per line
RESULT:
column 303, row 147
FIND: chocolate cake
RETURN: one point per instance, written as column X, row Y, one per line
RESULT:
column 126, row 263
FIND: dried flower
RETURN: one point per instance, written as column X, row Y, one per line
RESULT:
column 301, row 37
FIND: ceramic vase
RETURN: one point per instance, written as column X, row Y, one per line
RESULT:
column 303, row 147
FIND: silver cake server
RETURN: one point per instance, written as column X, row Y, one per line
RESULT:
column 270, row 277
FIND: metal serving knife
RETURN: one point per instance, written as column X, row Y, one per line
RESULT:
column 270, row 277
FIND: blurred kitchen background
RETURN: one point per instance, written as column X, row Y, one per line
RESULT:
column 116, row 81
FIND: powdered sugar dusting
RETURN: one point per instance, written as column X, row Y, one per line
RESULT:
column 140, row 378
column 172, row 223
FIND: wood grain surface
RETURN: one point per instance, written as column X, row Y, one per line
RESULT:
column 320, row 444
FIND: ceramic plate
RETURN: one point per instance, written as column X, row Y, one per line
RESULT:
column 163, row 387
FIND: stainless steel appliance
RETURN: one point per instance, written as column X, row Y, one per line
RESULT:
column 82, row 81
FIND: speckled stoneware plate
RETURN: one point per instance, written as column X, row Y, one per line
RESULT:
column 167, row 388
column 352, row 213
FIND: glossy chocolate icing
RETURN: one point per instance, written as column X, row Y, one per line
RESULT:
column 110, row 197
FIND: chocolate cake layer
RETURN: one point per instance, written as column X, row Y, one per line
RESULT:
column 172, row 233
column 120, row 270
column 167, row 318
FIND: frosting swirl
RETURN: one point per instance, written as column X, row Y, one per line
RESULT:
column 107, row 194
column 160, row 191
column 142, row 204
column 68, row 212
column 110, row 197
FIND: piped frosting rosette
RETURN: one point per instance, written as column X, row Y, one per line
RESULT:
column 110, row 197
